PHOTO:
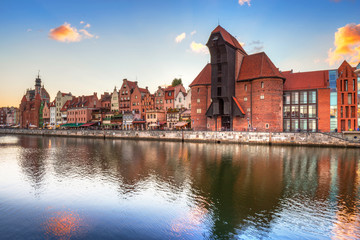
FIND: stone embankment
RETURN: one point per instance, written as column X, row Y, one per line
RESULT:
column 266, row 138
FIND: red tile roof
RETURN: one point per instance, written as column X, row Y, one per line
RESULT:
column 258, row 66
column 144, row 90
column 66, row 105
column 204, row 77
column 306, row 80
column 131, row 84
column 228, row 38
column 170, row 88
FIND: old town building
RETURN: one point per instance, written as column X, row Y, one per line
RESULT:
column 3, row 115
column 159, row 98
column 31, row 104
column 53, row 114
column 114, row 101
column 136, row 100
column 180, row 100
column 125, row 93
column 155, row 119
column 46, row 114
column 60, row 100
column 170, row 94
column 242, row 92
column 147, row 102
column 79, row 110
column 12, row 117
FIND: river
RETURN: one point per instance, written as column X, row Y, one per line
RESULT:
column 78, row 188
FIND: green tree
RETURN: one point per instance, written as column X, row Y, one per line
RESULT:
column 176, row 81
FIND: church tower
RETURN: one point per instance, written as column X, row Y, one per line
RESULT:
column 37, row 85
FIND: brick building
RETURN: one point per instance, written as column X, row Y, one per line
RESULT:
column 241, row 92
column 159, row 98
column 79, row 110
column 3, row 115
column 125, row 92
column 31, row 104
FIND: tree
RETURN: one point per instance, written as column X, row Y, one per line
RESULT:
column 176, row 81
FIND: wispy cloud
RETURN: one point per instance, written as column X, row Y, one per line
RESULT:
column 347, row 45
column 242, row 2
column 87, row 25
column 67, row 33
column 29, row 30
column 199, row 48
column 256, row 46
column 193, row 32
column 82, row 22
column 180, row 37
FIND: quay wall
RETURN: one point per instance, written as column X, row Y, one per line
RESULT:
column 266, row 138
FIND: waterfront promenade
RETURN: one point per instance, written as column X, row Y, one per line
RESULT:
column 347, row 139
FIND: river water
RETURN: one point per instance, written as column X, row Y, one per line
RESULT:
column 77, row 188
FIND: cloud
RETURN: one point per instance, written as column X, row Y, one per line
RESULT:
column 67, row 33
column 180, row 37
column 86, row 34
column 199, row 48
column 242, row 2
column 81, row 22
column 347, row 45
column 257, row 46
column 87, row 25
column 193, row 32
column 29, row 30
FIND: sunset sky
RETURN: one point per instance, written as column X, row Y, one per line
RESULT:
column 87, row 46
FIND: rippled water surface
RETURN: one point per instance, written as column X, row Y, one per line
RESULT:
column 73, row 188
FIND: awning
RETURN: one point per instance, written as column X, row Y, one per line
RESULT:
column 180, row 124
column 72, row 125
column 153, row 125
column 88, row 124
column 138, row 122
column 162, row 123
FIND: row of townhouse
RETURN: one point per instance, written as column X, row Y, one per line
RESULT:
column 123, row 109
column 9, row 117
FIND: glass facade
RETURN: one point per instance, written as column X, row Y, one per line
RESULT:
column 300, row 111
column 333, row 100
column 358, row 82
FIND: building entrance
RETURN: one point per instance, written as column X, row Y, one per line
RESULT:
column 225, row 123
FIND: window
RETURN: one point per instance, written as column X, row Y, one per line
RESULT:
column 286, row 125
column 219, row 68
column 136, row 96
column 286, row 111
column 198, row 90
column 294, row 111
column 349, row 124
column 169, row 94
column 267, row 126
column 262, row 96
column 312, row 111
column 219, row 79
column 312, row 97
column 245, row 99
column 303, row 111
column 198, row 110
column 295, row 97
column 349, row 98
column 354, row 85
column 303, row 124
column 342, row 98
column 262, row 84
column 245, row 87
column 294, row 125
column 219, row 91
column 248, row 110
column 287, row 98
column 198, row 100
column 346, row 85
column 303, row 97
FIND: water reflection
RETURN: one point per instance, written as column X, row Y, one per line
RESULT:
column 168, row 190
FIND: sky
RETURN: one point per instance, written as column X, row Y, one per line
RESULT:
column 88, row 46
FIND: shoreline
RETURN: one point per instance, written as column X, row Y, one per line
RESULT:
column 253, row 138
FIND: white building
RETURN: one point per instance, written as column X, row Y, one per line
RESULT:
column 53, row 114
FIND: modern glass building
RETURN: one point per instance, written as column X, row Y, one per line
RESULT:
column 333, row 99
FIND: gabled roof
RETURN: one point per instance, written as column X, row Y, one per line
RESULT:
column 204, row 77
column 143, row 90
column 306, row 80
column 256, row 66
column 23, row 99
column 131, row 84
column 228, row 38
column 66, row 105
column 170, row 88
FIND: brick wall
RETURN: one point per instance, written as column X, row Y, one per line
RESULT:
column 324, row 110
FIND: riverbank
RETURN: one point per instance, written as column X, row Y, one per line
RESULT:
column 265, row 138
